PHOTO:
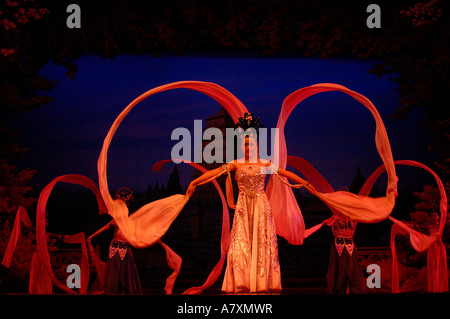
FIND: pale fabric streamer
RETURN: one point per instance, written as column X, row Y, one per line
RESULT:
column 225, row 237
column 318, row 181
column 41, row 244
column 436, row 253
column 41, row 273
column 288, row 217
column 21, row 218
column 151, row 221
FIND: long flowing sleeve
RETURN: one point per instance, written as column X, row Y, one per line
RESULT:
column 436, row 255
column 21, row 217
column 151, row 221
column 225, row 237
column 288, row 217
column 41, row 244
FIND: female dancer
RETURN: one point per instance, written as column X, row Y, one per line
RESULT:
column 344, row 270
column 252, row 258
column 121, row 274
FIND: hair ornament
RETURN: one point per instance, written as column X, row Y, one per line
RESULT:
column 248, row 121
column 125, row 194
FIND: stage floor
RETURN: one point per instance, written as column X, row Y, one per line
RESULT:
column 292, row 283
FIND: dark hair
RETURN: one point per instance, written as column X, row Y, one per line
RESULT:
column 248, row 122
column 125, row 194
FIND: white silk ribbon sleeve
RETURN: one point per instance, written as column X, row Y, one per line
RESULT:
column 149, row 223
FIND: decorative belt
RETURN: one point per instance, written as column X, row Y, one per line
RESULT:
column 118, row 245
column 251, row 193
column 341, row 242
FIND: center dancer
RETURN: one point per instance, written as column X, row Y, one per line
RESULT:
column 252, row 258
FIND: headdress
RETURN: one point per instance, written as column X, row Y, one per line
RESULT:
column 248, row 122
column 125, row 194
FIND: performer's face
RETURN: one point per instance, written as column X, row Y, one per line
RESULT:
column 250, row 148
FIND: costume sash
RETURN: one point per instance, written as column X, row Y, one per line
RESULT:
column 21, row 217
column 150, row 222
column 436, row 255
column 41, row 244
column 288, row 218
column 225, row 237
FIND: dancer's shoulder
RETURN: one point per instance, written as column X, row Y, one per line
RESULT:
column 232, row 166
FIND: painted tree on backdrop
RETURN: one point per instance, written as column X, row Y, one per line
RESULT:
column 426, row 217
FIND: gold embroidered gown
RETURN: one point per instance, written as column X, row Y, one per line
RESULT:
column 252, row 260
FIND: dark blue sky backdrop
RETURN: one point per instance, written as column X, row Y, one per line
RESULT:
column 331, row 130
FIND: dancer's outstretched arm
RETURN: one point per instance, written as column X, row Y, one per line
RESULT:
column 101, row 230
column 204, row 178
column 297, row 179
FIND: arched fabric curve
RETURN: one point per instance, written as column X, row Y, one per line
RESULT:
column 21, row 217
column 151, row 221
column 41, row 244
column 288, row 218
column 318, row 181
column 310, row 173
column 160, row 214
column 436, row 256
column 225, row 237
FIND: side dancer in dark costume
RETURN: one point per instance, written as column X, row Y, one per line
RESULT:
column 344, row 270
column 121, row 274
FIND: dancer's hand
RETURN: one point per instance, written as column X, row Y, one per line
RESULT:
column 191, row 189
column 310, row 188
column 330, row 221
